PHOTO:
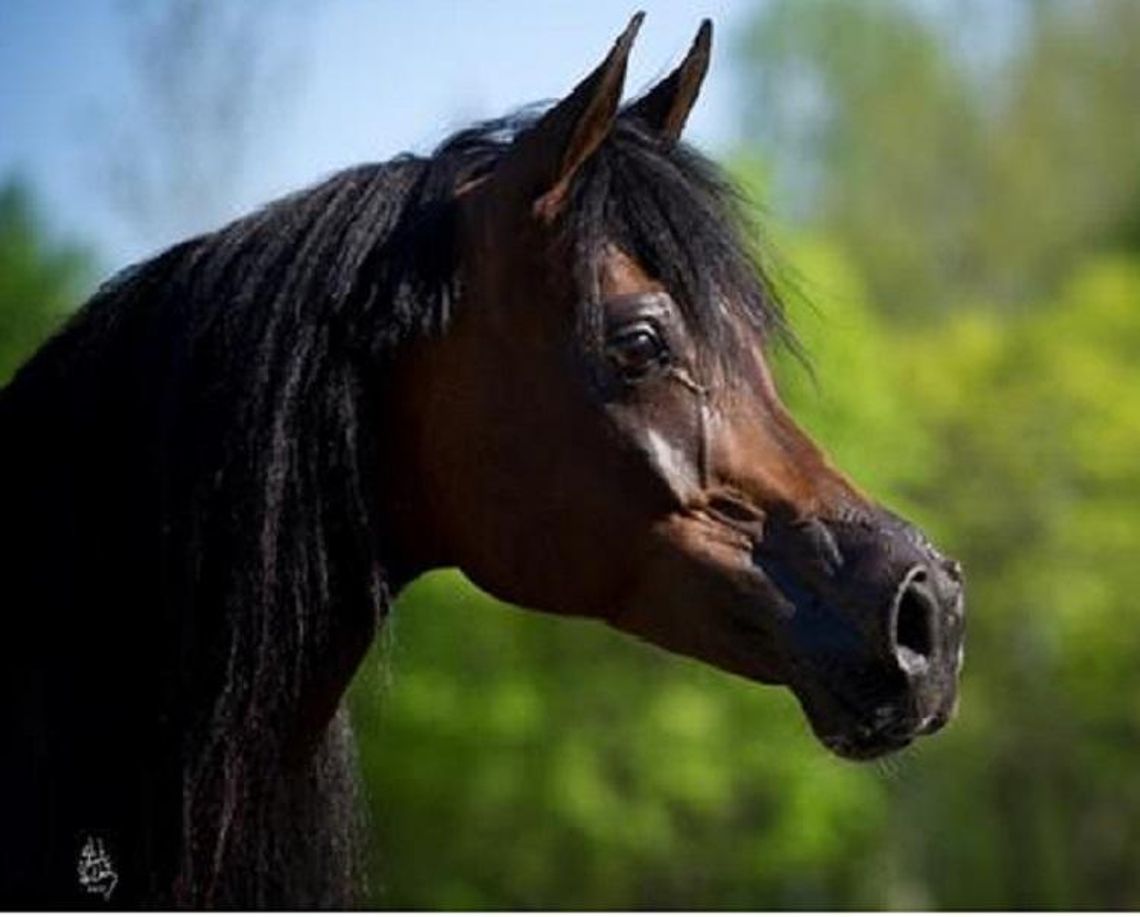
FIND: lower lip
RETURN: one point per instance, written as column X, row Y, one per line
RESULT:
column 866, row 753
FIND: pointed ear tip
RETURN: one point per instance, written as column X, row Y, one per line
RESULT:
column 626, row 38
column 704, row 35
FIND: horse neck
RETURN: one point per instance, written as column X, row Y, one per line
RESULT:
column 106, row 743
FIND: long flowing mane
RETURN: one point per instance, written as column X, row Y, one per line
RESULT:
column 191, row 522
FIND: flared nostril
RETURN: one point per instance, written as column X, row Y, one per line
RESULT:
column 913, row 622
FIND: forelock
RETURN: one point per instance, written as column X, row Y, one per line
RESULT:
column 678, row 216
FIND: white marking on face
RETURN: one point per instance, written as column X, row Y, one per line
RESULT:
column 672, row 463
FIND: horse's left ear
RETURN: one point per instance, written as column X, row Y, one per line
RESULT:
column 545, row 158
column 665, row 108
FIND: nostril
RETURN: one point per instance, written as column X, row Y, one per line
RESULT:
column 914, row 622
column 913, row 627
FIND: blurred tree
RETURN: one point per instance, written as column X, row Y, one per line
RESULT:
column 946, row 180
column 40, row 279
column 1036, row 799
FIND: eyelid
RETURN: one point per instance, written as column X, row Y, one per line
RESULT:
column 638, row 323
column 630, row 306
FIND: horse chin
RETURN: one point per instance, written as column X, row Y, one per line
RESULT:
column 859, row 736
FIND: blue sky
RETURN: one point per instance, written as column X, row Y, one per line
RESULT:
column 376, row 77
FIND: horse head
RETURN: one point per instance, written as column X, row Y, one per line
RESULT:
column 598, row 432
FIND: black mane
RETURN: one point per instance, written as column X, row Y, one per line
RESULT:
column 191, row 518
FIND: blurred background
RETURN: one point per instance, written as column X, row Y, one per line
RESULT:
column 951, row 198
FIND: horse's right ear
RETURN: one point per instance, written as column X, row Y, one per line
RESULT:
column 543, row 160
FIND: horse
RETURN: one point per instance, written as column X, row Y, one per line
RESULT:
column 537, row 354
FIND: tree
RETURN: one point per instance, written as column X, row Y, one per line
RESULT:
column 946, row 175
column 1037, row 486
column 41, row 280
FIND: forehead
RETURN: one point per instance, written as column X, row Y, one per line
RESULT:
column 620, row 275
column 734, row 351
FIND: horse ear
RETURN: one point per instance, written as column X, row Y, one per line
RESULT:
column 665, row 108
column 545, row 158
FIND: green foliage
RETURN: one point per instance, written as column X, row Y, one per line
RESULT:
column 951, row 153
column 1038, row 482
column 39, row 280
column 848, row 395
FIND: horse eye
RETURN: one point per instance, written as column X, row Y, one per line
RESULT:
column 637, row 350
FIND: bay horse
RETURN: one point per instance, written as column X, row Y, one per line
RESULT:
column 538, row 355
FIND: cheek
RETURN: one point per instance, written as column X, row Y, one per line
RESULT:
column 553, row 505
column 672, row 463
column 697, row 594
column 666, row 437
column 599, row 479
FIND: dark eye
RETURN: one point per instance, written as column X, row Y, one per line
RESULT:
column 637, row 350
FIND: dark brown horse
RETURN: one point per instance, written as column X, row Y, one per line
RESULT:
column 537, row 355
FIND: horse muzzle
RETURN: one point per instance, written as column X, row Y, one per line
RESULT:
column 874, row 638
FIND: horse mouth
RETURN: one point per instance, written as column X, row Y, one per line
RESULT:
column 871, row 634
column 865, row 742
column 864, row 749
column 863, row 735
column 858, row 707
